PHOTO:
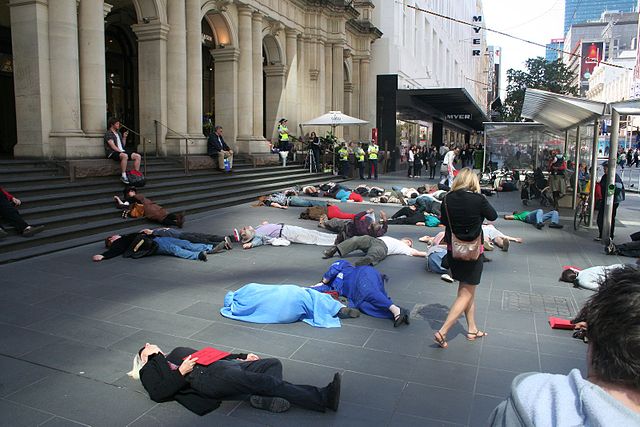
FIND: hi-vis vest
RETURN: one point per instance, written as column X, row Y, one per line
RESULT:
column 283, row 133
column 373, row 152
column 344, row 154
column 360, row 154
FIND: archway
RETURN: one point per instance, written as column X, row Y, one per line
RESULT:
column 8, row 128
column 208, row 78
column 273, row 71
column 121, row 67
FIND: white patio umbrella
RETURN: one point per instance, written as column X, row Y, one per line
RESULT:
column 333, row 119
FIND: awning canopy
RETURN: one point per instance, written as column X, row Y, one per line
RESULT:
column 631, row 107
column 334, row 118
column 450, row 105
column 559, row 112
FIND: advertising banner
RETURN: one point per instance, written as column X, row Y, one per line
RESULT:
column 592, row 54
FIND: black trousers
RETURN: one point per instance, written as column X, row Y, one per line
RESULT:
column 226, row 378
column 630, row 249
column 600, row 219
column 10, row 214
column 361, row 169
column 373, row 168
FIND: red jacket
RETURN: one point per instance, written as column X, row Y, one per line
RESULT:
column 6, row 194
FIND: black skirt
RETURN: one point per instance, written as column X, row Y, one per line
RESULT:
column 467, row 272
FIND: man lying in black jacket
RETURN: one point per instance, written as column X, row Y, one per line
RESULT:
column 177, row 376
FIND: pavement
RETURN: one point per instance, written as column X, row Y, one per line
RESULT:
column 69, row 328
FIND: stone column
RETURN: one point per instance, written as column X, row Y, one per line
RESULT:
column 292, row 78
column 152, row 84
column 66, row 130
column 275, row 83
column 226, row 88
column 31, row 77
column 302, row 96
column 328, row 77
column 245, row 77
column 194, row 69
column 338, row 77
column 258, row 90
column 365, row 100
column 355, row 81
column 93, row 91
column 176, row 77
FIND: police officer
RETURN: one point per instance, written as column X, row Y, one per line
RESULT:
column 343, row 158
column 359, row 155
column 373, row 158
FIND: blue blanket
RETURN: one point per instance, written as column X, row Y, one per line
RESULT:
column 258, row 303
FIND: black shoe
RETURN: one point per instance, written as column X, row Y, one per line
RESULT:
column 610, row 249
column 32, row 230
column 218, row 248
column 333, row 392
column 363, row 261
column 348, row 313
column 540, row 225
column 505, row 245
column 552, row 225
column 329, row 253
column 401, row 318
column 271, row 404
column 202, row 256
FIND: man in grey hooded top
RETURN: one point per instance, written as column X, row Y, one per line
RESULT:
column 610, row 395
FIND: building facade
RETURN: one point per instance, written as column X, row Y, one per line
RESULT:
column 428, row 51
column 612, row 84
column 168, row 67
column 554, row 49
column 578, row 11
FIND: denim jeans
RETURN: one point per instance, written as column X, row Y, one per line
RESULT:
column 180, row 248
column 537, row 216
column 305, row 203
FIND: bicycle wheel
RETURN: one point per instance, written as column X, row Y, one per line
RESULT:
column 577, row 217
column 585, row 216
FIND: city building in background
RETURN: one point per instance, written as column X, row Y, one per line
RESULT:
column 420, row 53
column 589, row 43
column 554, row 49
column 172, row 69
column 578, row 11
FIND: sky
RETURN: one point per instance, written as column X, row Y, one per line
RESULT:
column 535, row 20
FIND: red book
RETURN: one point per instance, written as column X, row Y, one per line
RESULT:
column 560, row 323
column 208, row 355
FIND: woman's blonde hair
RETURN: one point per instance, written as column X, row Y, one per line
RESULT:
column 466, row 180
column 135, row 369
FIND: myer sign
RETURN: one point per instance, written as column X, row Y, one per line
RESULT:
column 476, row 40
column 458, row 116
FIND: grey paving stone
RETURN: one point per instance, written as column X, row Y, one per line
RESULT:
column 250, row 339
column 134, row 342
column 61, row 422
column 84, row 400
column 494, row 382
column 85, row 330
column 159, row 321
column 82, row 306
column 397, row 342
column 173, row 414
column 17, row 415
column 481, row 409
column 381, row 393
column 509, row 359
column 460, row 350
column 20, row 314
column 404, row 420
column 511, row 339
column 25, row 294
column 444, row 374
column 564, row 346
column 435, row 403
column 15, row 374
column 88, row 361
column 511, row 321
column 562, row 365
column 147, row 296
column 17, row 341
column 349, row 333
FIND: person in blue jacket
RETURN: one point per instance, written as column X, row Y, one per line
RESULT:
column 363, row 287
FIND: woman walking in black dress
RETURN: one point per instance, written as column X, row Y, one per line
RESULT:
column 463, row 211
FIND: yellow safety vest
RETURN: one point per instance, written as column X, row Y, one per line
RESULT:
column 343, row 153
column 360, row 154
column 373, row 152
column 283, row 133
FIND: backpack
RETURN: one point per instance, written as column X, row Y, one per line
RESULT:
column 143, row 245
column 136, row 179
column 314, row 213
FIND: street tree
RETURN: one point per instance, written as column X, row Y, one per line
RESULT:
column 552, row 76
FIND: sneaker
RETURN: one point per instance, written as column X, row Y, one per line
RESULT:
column 348, row 313
column 597, row 239
column 218, row 248
column 447, row 278
column 329, row 253
column 202, row 256
column 271, row 404
column 32, row 230
column 236, row 234
column 505, row 245
column 124, row 180
column 227, row 243
column 610, row 249
column 552, row 225
column 333, row 392
column 540, row 225
column 487, row 246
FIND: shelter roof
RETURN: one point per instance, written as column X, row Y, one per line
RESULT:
column 559, row 112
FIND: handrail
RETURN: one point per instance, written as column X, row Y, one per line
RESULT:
column 186, row 144
column 144, row 146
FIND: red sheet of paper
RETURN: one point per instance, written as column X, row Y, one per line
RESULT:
column 560, row 323
column 208, row 355
column 566, row 267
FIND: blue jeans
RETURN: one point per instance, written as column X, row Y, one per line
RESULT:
column 180, row 248
column 305, row 203
column 537, row 217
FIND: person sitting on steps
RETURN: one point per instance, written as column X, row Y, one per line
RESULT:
column 115, row 148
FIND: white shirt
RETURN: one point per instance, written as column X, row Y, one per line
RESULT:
column 396, row 246
column 411, row 156
column 118, row 141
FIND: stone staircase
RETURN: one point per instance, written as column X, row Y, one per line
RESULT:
column 80, row 212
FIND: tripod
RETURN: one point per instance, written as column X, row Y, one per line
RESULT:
column 310, row 161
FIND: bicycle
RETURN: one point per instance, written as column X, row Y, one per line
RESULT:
column 582, row 213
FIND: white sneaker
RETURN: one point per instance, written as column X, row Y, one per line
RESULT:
column 124, row 180
column 447, row 278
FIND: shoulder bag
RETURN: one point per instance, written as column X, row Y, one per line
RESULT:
column 462, row 250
